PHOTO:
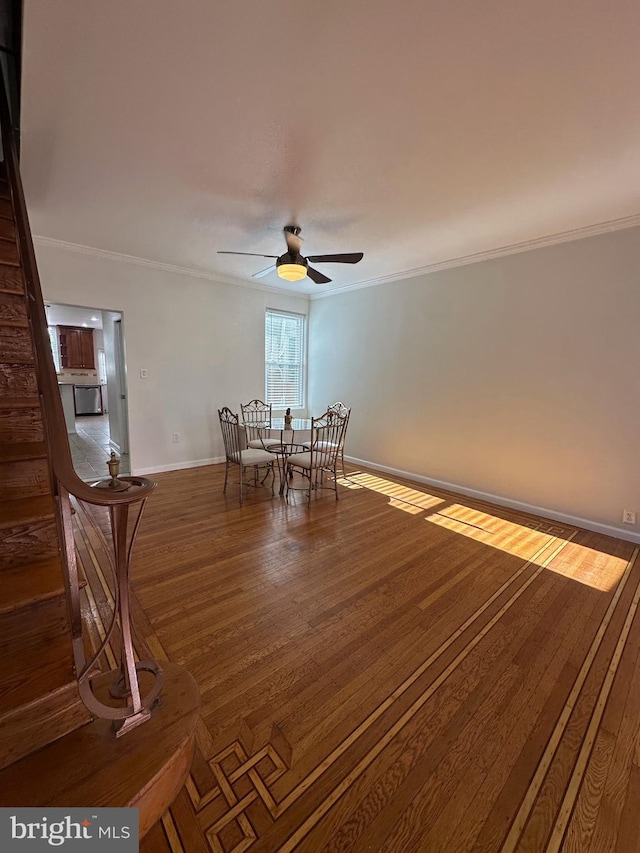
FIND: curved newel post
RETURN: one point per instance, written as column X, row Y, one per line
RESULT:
column 125, row 686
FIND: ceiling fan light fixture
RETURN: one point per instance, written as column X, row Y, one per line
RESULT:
column 292, row 266
column 292, row 272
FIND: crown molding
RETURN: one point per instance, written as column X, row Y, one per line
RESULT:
column 463, row 260
column 489, row 254
column 107, row 255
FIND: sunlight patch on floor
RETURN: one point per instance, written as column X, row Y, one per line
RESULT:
column 348, row 483
column 596, row 569
column 516, row 539
column 401, row 497
column 593, row 568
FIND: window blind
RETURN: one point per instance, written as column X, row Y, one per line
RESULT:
column 53, row 340
column 285, row 359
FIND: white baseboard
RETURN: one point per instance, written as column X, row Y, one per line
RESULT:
column 178, row 466
column 577, row 521
column 587, row 523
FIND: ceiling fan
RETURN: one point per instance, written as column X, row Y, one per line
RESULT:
column 292, row 266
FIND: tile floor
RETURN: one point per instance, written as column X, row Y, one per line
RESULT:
column 90, row 448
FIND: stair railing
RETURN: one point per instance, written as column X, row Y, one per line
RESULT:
column 118, row 495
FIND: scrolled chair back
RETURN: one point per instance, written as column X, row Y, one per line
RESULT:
column 232, row 434
column 325, row 448
column 256, row 422
column 345, row 411
column 327, row 433
column 340, row 408
column 256, row 413
column 239, row 454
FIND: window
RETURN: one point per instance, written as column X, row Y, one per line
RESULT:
column 285, row 359
column 53, row 340
column 102, row 367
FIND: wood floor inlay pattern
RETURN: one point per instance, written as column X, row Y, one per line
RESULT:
column 261, row 787
column 552, row 746
column 249, row 768
column 573, row 789
column 517, row 629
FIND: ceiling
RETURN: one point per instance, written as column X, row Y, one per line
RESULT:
column 422, row 134
column 70, row 315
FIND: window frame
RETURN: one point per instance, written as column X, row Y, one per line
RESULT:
column 300, row 403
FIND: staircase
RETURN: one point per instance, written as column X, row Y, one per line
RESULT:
column 39, row 699
column 53, row 752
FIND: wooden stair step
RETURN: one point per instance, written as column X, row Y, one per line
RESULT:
column 20, row 402
column 8, row 248
column 13, row 310
column 25, row 511
column 30, row 670
column 30, row 584
column 11, row 280
column 20, row 421
column 24, row 478
column 22, row 631
column 92, row 768
column 39, row 697
column 18, row 380
column 7, row 229
column 6, row 208
column 24, row 450
column 28, row 542
column 15, row 345
column 47, row 718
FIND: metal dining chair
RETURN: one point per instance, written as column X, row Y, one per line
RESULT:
column 321, row 459
column 237, row 453
column 256, row 418
column 345, row 412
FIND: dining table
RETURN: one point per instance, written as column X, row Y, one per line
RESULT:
column 291, row 438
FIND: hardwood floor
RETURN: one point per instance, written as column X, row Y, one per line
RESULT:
column 402, row 670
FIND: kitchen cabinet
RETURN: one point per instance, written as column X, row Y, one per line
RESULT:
column 76, row 347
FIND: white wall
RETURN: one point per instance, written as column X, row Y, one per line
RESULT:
column 112, row 392
column 516, row 377
column 202, row 343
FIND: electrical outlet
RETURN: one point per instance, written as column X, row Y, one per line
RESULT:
column 628, row 516
column 176, row 437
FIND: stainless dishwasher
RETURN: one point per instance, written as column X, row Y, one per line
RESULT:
column 88, row 399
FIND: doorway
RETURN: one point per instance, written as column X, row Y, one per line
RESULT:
column 93, row 435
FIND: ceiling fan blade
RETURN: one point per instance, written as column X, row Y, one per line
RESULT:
column 317, row 276
column 251, row 254
column 262, row 273
column 348, row 258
